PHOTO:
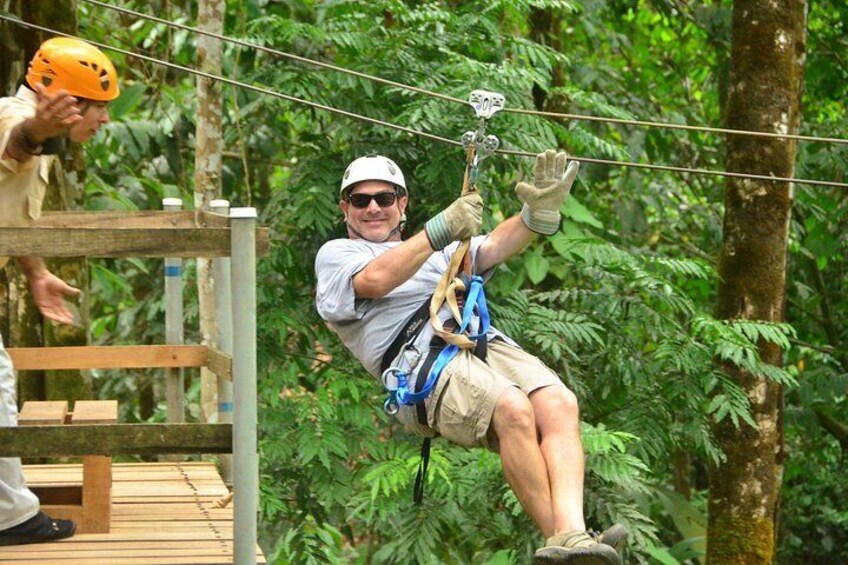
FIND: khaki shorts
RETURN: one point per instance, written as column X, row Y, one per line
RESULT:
column 461, row 407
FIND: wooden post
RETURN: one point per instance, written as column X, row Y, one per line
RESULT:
column 96, row 469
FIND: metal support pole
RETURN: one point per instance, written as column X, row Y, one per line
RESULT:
column 221, row 273
column 245, row 449
column 174, row 382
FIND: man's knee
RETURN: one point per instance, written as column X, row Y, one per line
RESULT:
column 513, row 411
column 556, row 402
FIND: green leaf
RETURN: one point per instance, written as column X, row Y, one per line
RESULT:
column 662, row 555
column 573, row 209
column 131, row 96
column 537, row 266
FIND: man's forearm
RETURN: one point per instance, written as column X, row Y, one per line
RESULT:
column 22, row 144
column 392, row 268
column 32, row 267
column 507, row 239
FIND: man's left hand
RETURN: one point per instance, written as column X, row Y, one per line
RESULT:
column 551, row 184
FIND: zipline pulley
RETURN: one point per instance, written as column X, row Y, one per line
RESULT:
column 477, row 144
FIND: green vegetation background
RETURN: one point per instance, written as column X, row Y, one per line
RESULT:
column 620, row 302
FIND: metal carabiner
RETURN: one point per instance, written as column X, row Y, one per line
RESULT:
column 391, row 383
column 391, row 404
column 390, row 378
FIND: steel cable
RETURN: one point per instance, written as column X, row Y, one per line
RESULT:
column 426, row 135
column 523, row 111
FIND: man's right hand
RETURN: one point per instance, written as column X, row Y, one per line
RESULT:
column 53, row 115
column 459, row 221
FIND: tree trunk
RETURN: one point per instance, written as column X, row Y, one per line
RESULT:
column 12, row 57
column 207, row 177
column 545, row 29
column 767, row 55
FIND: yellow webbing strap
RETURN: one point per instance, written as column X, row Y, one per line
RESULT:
column 446, row 291
column 450, row 284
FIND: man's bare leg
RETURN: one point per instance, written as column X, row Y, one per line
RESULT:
column 524, row 466
column 557, row 420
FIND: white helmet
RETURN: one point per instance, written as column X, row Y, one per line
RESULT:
column 372, row 167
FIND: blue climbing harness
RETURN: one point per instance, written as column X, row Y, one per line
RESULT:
column 396, row 380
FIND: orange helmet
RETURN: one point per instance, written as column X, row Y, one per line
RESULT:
column 79, row 68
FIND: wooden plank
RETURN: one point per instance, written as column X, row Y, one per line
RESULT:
column 65, row 495
column 108, row 357
column 222, row 527
column 189, row 467
column 162, row 514
column 212, row 497
column 126, row 560
column 110, row 555
column 131, row 219
column 43, row 413
column 96, row 494
column 220, row 363
column 153, row 508
column 95, row 412
column 82, row 543
column 96, row 469
column 122, row 242
column 186, row 528
column 148, row 491
column 121, row 439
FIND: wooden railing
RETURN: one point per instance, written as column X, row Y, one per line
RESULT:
column 173, row 234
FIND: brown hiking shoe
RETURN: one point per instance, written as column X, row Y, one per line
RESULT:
column 576, row 548
column 615, row 536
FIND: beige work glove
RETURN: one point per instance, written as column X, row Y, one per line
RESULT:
column 551, row 184
column 459, row 221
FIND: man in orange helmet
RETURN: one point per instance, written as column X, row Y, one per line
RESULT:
column 65, row 93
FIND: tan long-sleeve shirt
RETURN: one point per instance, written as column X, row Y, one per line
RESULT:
column 22, row 184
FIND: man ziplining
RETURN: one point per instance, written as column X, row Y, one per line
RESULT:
column 67, row 87
column 374, row 289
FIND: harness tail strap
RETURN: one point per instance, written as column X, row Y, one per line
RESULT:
column 421, row 476
column 446, row 292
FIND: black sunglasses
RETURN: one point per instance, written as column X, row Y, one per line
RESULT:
column 383, row 199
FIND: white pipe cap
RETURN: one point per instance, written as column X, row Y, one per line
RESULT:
column 241, row 213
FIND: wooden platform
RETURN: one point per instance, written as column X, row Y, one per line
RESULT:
column 162, row 514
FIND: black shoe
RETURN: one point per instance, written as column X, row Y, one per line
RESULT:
column 40, row 528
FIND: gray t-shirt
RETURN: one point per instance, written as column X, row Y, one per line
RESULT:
column 367, row 327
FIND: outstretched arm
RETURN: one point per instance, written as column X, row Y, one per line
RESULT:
column 542, row 200
column 508, row 238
